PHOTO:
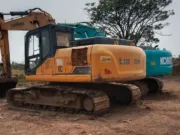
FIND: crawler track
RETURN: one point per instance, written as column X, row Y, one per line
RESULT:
column 60, row 98
column 149, row 85
column 93, row 99
column 124, row 93
column 154, row 84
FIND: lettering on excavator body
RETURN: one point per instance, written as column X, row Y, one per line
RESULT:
column 17, row 24
column 105, row 59
column 128, row 61
column 137, row 61
column 124, row 61
column 166, row 61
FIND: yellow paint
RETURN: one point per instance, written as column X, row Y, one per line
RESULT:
column 120, row 72
column 105, row 59
column 59, row 78
column 116, row 58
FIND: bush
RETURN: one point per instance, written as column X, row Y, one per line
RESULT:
column 176, row 70
column 21, row 76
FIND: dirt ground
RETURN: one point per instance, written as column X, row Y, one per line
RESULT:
column 155, row 115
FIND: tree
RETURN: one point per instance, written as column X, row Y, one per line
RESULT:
column 138, row 20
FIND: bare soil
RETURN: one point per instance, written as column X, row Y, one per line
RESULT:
column 155, row 115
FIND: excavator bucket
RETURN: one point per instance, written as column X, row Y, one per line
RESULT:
column 6, row 84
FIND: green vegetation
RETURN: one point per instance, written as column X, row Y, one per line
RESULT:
column 18, row 71
column 176, row 67
column 138, row 20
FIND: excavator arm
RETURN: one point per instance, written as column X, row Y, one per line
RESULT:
column 26, row 20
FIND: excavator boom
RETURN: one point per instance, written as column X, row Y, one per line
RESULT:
column 24, row 20
column 28, row 20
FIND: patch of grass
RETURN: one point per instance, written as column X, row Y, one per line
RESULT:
column 18, row 73
column 22, row 81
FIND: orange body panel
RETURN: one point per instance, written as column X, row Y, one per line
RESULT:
column 121, row 64
column 105, row 63
column 59, row 78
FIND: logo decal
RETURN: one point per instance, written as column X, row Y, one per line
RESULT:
column 153, row 63
column 105, row 59
column 166, row 61
column 17, row 24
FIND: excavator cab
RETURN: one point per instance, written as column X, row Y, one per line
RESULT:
column 41, row 44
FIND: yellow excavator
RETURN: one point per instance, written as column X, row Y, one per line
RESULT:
column 79, row 78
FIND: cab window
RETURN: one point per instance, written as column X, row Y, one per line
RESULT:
column 33, row 45
column 34, row 51
column 45, row 43
column 63, row 39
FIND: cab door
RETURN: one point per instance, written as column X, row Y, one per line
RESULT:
column 47, row 60
column 33, row 53
column 62, row 37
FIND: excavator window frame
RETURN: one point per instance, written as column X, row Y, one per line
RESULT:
column 52, row 29
column 28, row 70
column 63, row 29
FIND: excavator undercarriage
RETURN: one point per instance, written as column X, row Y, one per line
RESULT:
column 149, row 85
column 73, row 97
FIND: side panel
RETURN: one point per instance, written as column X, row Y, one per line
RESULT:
column 118, row 63
column 68, row 65
column 77, row 63
column 159, row 62
column 97, row 63
column 46, row 68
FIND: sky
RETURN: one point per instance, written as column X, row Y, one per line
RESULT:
column 71, row 11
